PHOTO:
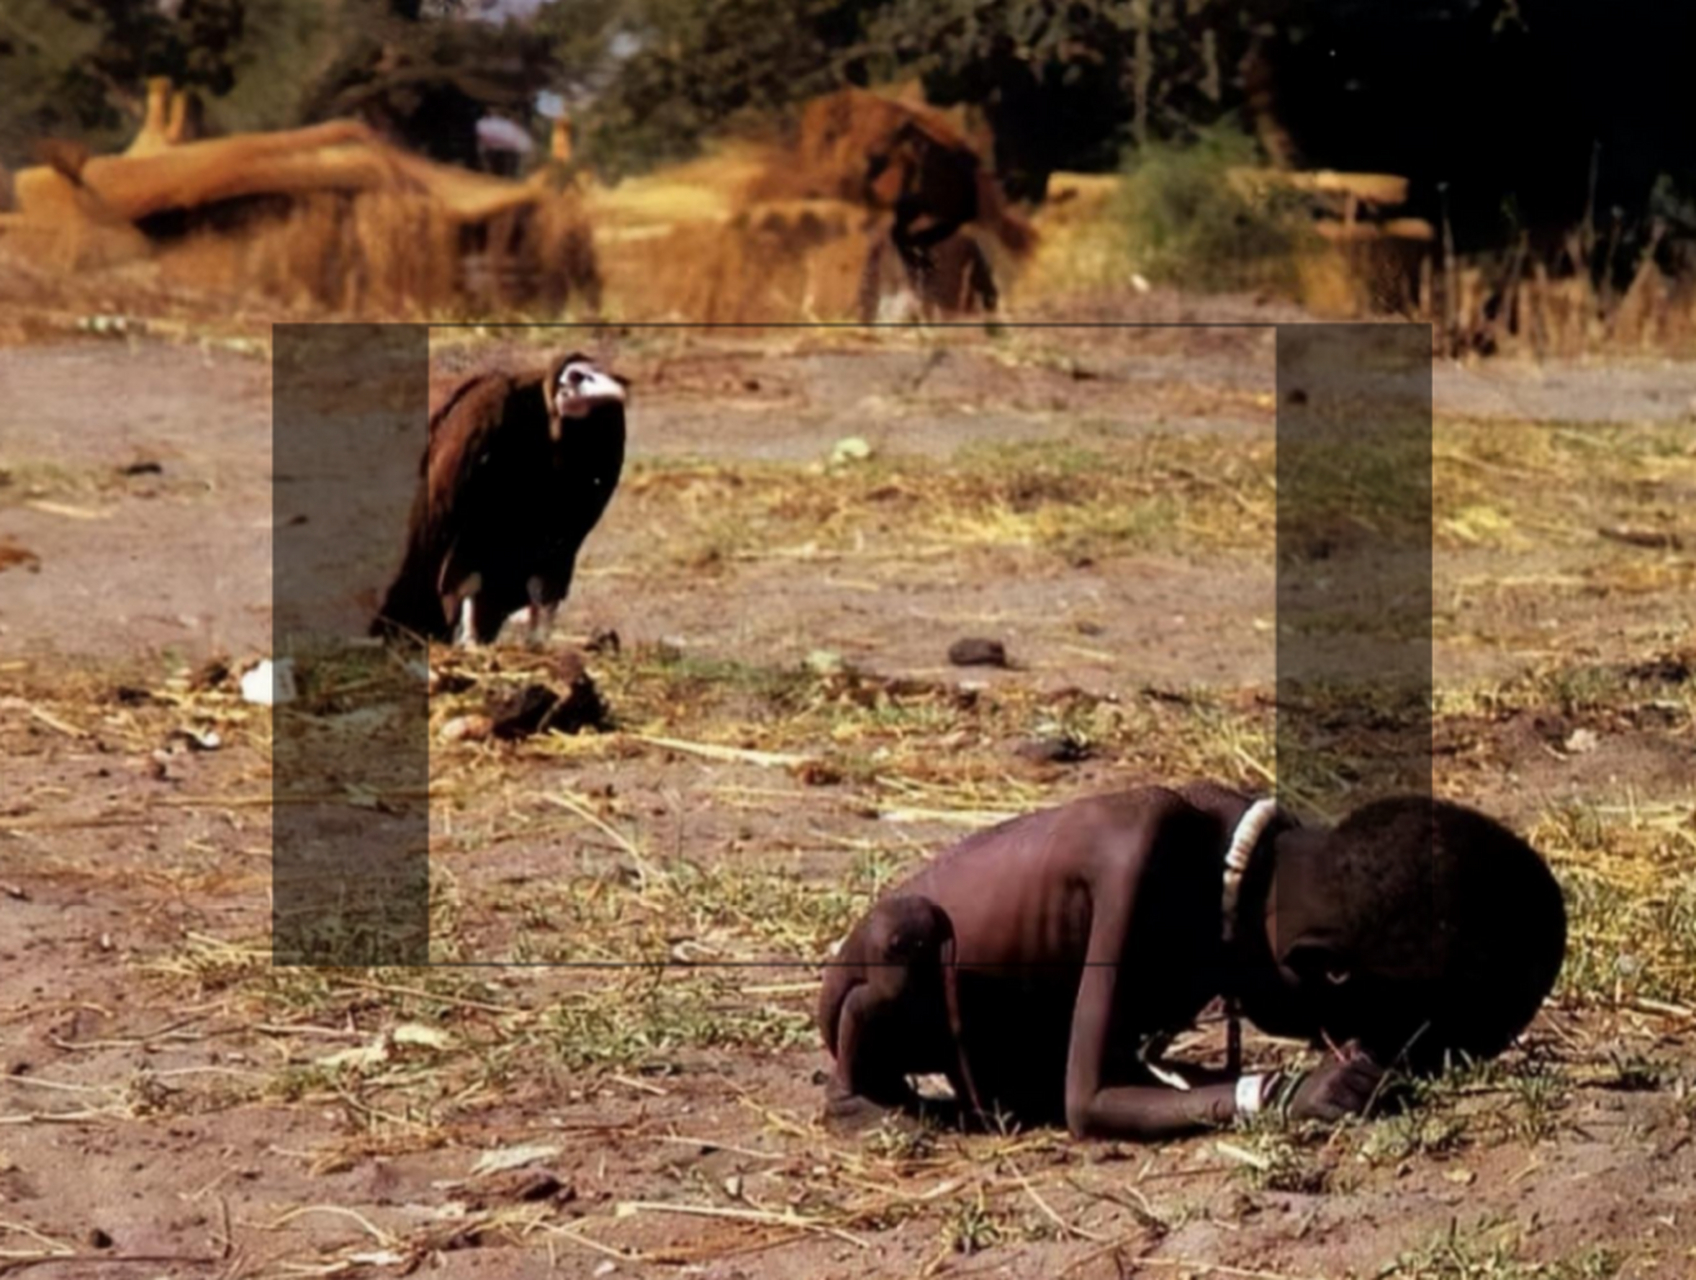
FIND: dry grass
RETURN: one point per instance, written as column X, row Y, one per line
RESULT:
column 773, row 262
column 442, row 1059
column 1082, row 246
column 1519, row 485
column 1526, row 308
column 1495, row 1250
column 1090, row 248
column 1631, row 893
column 390, row 254
column 1085, row 499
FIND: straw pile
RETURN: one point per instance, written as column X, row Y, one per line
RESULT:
column 329, row 216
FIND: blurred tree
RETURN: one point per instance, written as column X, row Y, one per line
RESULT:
column 78, row 68
column 1556, row 109
column 586, row 38
column 1546, row 115
column 1065, row 83
column 49, row 65
column 673, row 71
column 286, row 46
column 1069, row 84
column 426, row 83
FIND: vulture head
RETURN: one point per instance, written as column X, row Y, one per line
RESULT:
column 577, row 388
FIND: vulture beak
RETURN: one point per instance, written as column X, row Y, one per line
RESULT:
column 582, row 387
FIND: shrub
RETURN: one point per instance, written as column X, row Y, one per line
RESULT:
column 1186, row 223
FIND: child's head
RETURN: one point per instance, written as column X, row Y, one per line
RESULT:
column 1422, row 929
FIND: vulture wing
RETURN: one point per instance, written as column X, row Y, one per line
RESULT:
column 451, row 491
column 463, row 474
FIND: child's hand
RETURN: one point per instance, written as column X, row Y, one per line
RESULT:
column 1341, row 1087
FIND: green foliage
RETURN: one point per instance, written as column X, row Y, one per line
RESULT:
column 1071, row 86
column 427, row 82
column 1488, row 1250
column 77, row 67
column 51, row 62
column 648, row 1019
column 653, row 78
column 579, row 35
column 1186, row 223
column 286, row 44
column 1061, row 85
column 705, row 66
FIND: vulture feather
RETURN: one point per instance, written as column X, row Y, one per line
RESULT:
column 516, row 472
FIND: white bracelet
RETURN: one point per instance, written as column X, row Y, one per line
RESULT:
column 1249, row 1094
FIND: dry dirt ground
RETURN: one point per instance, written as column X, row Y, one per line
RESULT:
column 789, row 734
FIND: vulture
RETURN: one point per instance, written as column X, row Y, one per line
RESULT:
column 516, row 472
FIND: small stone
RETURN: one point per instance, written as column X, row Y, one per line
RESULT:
column 382, row 1183
column 1053, row 750
column 975, row 651
column 467, row 729
column 527, row 1186
column 98, row 1239
column 817, row 773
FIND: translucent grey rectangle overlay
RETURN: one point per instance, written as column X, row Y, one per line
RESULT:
column 1354, row 555
column 351, row 762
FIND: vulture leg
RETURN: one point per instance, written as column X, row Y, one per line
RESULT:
column 541, row 625
column 458, row 603
column 541, row 613
column 465, row 635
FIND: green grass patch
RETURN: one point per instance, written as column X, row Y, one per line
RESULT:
column 1185, row 223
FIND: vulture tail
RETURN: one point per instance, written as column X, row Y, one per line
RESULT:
column 411, row 608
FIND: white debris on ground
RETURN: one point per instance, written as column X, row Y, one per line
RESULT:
column 269, row 683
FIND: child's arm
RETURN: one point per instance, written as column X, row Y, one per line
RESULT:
column 1093, row 1110
column 857, row 1080
column 1153, row 1112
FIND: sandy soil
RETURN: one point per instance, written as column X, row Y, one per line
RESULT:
column 144, row 1116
